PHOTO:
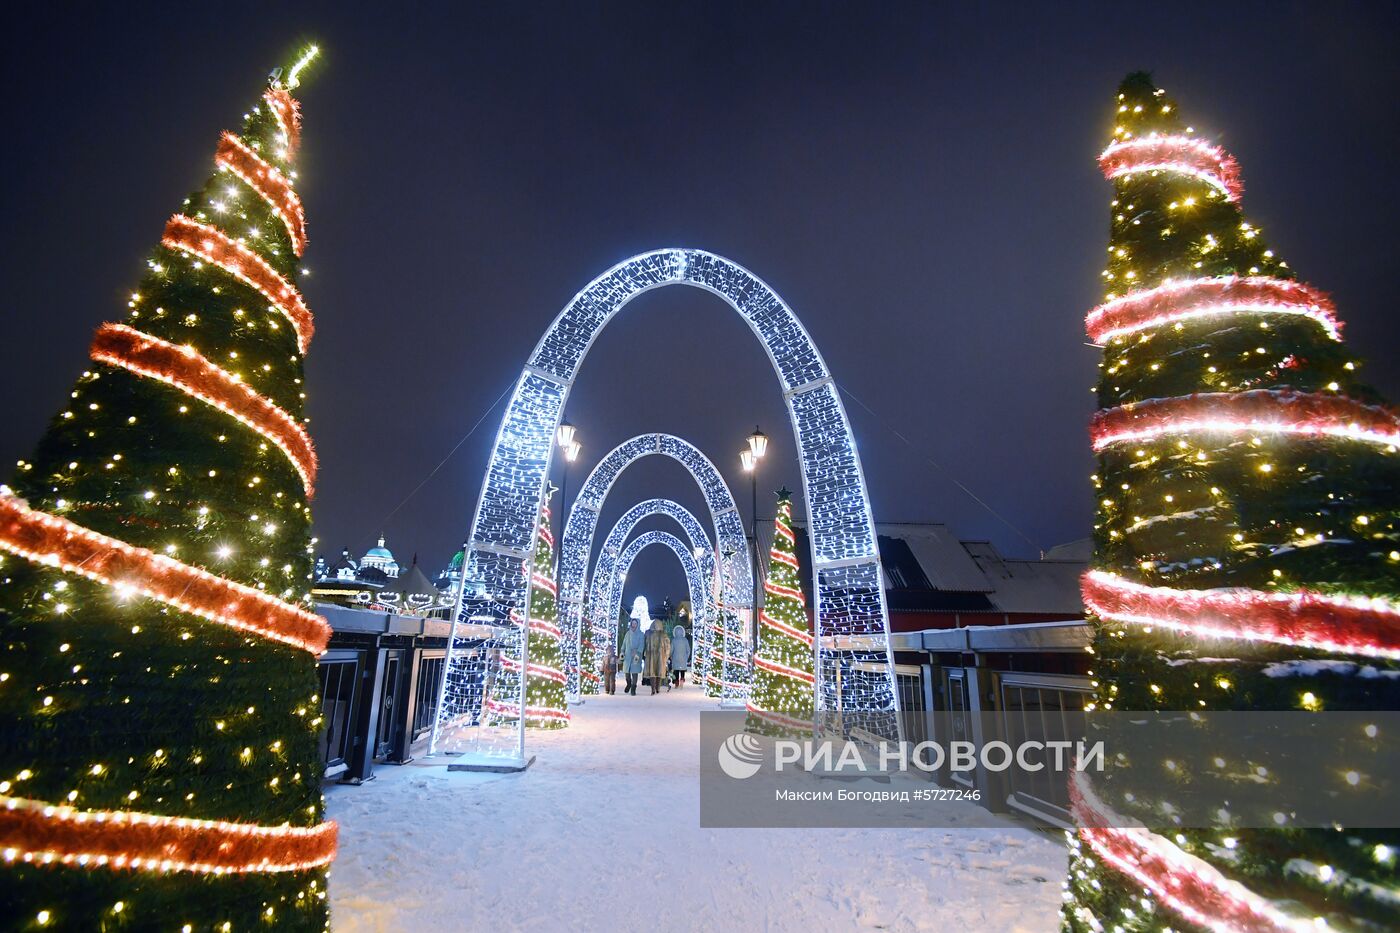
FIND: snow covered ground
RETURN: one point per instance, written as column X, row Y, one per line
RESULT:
column 603, row 834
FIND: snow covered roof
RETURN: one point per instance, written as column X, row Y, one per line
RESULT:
column 928, row 569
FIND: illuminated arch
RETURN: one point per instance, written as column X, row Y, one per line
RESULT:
column 695, row 582
column 576, row 544
column 855, row 673
column 604, row 577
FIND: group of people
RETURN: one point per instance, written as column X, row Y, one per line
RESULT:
column 654, row 657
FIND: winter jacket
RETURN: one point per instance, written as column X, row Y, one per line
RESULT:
column 680, row 650
column 658, row 654
column 633, row 651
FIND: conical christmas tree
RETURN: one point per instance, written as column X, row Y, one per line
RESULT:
column 159, row 765
column 545, row 703
column 1247, row 540
column 782, row 700
column 588, row 661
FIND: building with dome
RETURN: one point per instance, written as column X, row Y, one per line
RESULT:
column 380, row 558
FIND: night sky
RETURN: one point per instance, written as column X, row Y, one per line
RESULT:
column 917, row 181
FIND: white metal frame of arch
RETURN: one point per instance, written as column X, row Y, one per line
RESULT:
column 576, row 544
column 603, row 584
column 855, row 671
column 637, row 545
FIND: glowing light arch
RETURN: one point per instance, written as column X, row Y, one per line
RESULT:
column 604, row 594
column 693, row 578
column 855, row 674
column 576, row 544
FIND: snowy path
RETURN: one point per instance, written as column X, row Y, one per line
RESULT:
column 603, row 834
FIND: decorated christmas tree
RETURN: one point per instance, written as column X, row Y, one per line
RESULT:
column 160, row 763
column 781, row 701
column 589, row 660
column 545, row 703
column 1247, row 541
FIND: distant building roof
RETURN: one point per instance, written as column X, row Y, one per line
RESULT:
column 928, row 569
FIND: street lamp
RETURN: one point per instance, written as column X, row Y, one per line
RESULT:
column 570, row 447
column 749, row 457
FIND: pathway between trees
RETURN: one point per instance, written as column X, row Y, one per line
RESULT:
column 603, row 834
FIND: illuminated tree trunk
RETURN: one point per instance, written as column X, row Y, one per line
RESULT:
column 161, row 763
column 1247, row 487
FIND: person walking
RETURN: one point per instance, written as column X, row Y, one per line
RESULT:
column 680, row 656
column 658, row 657
column 633, row 655
column 610, row 671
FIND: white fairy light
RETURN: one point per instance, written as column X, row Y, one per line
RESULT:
column 577, row 542
column 854, row 669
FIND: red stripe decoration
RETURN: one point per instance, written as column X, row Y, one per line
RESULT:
column 777, row 589
column 271, row 185
column 191, row 373
column 778, row 718
column 38, row 833
column 783, row 557
column 774, row 667
column 538, row 670
column 57, row 542
column 287, row 112
column 786, row 532
column 1260, row 411
column 1196, row 298
column 1189, row 886
column 783, row 627
column 1182, row 154
column 544, row 582
column 1305, row 619
column 214, row 246
column 531, row 712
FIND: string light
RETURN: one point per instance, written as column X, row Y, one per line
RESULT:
column 543, row 680
column 1175, row 302
column 1362, row 625
column 579, row 532
column 212, row 245
column 1158, row 153
column 39, row 833
column 1261, row 411
column 270, row 184
column 849, row 592
column 286, row 111
column 187, row 370
column 1190, row 886
column 57, row 542
column 782, row 699
column 1227, row 398
column 605, row 594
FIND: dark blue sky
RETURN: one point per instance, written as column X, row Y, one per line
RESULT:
column 916, row 180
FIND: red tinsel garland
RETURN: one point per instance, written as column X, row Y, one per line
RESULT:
column 783, row 670
column 804, row 725
column 271, row 185
column 287, row 112
column 1264, row 411
column 1195, row 157
column 57, row 542
column 215, row 247
column 187, row 370
column 1351, row 625
column 39, row 833
column 1191, row 887
column 1178, row 301
column 765, row 619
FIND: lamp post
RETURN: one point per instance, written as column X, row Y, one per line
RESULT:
column 749, row 457
column 570, row 447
